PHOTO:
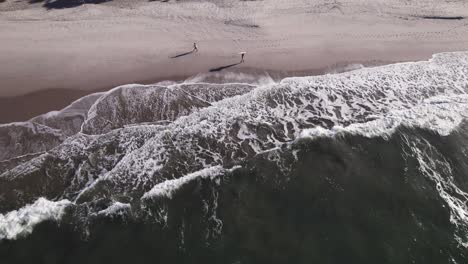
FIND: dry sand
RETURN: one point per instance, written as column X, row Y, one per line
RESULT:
column 98, row 46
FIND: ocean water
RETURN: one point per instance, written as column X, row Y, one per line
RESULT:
column 366, row 166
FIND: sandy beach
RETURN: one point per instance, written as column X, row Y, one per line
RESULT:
column 94, row 47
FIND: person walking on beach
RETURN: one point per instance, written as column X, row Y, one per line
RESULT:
column 242, row 56
column 195, row 47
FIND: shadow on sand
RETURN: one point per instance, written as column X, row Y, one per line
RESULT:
column 224, row 67
column 182, row 54
column 61, row 4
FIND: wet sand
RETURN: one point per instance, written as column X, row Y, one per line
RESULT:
column 69, row 52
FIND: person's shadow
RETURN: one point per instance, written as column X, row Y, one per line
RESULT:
column 62, row 4
column 224, row 67
column 182, row 54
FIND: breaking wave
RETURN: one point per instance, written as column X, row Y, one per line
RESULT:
column 21, row 222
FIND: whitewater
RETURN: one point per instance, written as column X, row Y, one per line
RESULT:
column 142, row 153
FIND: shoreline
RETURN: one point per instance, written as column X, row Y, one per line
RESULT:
column 40, row 102
column 12, row 108
column 95, row 47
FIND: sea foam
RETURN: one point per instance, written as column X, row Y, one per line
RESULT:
column 21, row 222
column 145, row 161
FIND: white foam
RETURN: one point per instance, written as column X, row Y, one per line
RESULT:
column 436, row 168
column 442, row 117
column 169, row 187
column 370, row 101
column 22, row 221
column 23, row 138
column 117, row 208
column 135, row 104
column 262, row 78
